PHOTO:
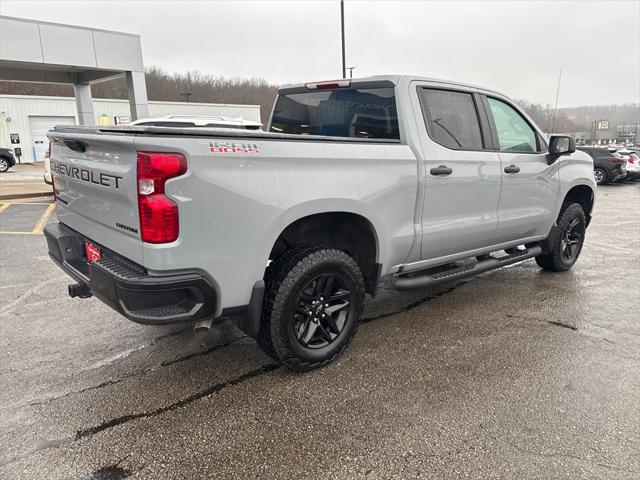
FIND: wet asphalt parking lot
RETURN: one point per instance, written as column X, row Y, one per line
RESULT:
column 515, row 373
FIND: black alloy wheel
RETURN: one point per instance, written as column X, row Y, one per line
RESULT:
column 571, row 240
column 312, row 306
column 323, row 308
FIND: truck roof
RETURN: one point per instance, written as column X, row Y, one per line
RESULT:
column 390, row 79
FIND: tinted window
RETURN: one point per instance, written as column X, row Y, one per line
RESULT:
column 514, row 133
column 364, row 113
column 452, row 119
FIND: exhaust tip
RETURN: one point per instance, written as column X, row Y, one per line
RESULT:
column 203, row 325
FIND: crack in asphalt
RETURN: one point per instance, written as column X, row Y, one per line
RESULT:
column 115, row 422
column 416, row 304
column 137, row 373
column 166, row 363
column 89, row 432
column 563, row 325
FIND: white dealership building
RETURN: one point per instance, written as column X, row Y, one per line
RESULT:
column 45, row 52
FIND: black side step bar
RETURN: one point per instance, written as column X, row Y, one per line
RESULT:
column 484, row 264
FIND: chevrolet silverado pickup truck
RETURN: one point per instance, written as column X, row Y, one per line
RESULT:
column 286, row 230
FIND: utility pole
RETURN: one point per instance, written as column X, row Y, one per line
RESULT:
column 344, row 64
column 555, row 108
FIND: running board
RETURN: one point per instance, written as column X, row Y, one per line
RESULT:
column 484, row 264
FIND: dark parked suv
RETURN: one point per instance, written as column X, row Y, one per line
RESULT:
column 607, row 166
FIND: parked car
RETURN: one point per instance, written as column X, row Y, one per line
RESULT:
column 7, row 160
column 608, row 166
column 286, row 230
column 633, row 163
column 199, row 121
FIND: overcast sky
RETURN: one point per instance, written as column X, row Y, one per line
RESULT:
column 514, row 47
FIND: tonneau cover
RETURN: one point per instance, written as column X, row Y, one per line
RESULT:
column 208, row 132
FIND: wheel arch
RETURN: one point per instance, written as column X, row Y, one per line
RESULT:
column 352, row 230
column 584, row 195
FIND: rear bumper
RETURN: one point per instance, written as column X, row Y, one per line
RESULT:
column 127, row 287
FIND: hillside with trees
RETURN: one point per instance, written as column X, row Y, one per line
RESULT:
column 578, row 119
column 198, row 87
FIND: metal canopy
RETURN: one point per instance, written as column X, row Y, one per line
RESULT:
column 33, row 51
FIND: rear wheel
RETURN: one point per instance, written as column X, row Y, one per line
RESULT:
column 568, row 241
column 313, row 302
column 4, row 164
column 600, row 176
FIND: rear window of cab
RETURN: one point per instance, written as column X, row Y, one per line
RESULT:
column 355, row 113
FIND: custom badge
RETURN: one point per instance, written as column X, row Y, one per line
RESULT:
column 232, row 147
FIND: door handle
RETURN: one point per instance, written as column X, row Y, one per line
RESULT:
column 511, row 169
column 441, row 170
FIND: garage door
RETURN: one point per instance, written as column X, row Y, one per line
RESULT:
column 39, row 128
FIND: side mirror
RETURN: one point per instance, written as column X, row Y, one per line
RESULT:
column 561, row 145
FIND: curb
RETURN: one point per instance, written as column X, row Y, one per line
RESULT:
column 18, row 196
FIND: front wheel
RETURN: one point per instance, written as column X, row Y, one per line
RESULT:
column 4, row 164
column 568, row 240
column 312, row 307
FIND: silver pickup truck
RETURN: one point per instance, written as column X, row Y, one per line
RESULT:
column 286, row 230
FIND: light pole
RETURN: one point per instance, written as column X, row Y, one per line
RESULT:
column 344, row 64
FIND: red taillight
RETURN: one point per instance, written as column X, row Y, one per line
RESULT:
column 615, row 160
column 159, row 222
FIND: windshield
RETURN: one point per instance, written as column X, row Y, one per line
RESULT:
column 358, row 113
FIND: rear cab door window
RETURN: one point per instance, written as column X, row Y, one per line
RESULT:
column 452, row 119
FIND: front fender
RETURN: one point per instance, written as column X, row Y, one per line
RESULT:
column 574, row 170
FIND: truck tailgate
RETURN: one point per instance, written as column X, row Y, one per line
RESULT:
column 95, row 182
